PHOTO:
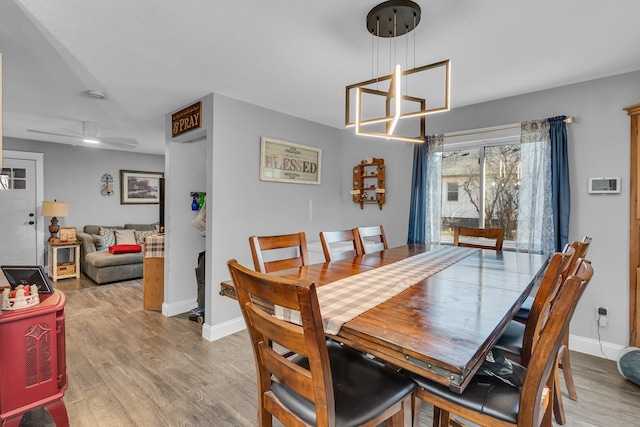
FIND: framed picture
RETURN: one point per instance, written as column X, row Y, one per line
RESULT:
column 283, row 161
column 139, row 188
column 27, row 275
column 68, row 234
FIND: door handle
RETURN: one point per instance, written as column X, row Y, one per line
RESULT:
column 31, row 222
column 31, row 214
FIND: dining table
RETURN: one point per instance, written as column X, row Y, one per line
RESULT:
column 435, row 310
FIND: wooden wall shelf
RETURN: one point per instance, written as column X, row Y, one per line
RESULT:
column 369, row 181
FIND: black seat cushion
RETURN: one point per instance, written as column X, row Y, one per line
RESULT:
column 523, row 313
column 484, row 394
column 511, row 339
column 363, row 388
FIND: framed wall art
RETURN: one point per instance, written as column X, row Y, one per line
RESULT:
column 68, row 234
column 283, row 161
column 139, row 188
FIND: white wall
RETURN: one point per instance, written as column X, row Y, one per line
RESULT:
column 185, row 172
column 598, row 146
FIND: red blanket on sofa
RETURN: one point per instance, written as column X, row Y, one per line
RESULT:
column 124, row 249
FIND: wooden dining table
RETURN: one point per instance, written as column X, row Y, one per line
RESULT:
column 440, row 327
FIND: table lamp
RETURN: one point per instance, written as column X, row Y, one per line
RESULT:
column 54, row 209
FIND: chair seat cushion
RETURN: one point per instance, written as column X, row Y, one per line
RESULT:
column 487, row 395
column 523, row 313
column 511, row 339
column 363, row 388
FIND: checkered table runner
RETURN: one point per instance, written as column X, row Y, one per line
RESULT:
column 154, row 247
column 347, row 298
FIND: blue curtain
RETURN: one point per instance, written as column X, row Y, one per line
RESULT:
column 560, row 193
column 418, row 210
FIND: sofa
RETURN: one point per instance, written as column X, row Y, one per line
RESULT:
column 99, row 264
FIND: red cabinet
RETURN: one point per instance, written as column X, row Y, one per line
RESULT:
column 33, row 370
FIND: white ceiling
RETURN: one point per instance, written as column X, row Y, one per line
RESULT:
column 292, row 56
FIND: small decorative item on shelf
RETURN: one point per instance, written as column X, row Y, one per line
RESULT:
column 20, row 297
column 369, row 182
column 194, row 204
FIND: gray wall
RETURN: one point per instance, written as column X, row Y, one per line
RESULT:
column 598, row 146
column 73, row 174
column 241, row 205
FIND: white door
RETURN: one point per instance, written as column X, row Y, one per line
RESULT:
column 18, row 210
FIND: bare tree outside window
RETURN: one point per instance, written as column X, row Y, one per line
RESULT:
column 490, row 180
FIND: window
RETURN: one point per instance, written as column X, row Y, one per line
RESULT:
column 452, row 191
column 480, row 187
column 15, row 179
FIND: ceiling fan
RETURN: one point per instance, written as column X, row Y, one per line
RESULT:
column 91, row 135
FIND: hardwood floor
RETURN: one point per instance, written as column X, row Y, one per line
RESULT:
column 131, row 367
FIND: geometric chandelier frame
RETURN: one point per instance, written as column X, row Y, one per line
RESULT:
column 393, row 99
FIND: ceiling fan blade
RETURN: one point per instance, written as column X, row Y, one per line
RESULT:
column 129, row 143
column 53, row 133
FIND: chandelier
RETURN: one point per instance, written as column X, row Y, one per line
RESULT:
column 381, row 106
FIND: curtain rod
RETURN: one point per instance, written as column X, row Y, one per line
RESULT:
column 494, row 129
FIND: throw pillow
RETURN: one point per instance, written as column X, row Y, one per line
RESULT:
column 125, row 237
column 125, row 249
column 109, row 236
column 140, row 235
column 99, row 243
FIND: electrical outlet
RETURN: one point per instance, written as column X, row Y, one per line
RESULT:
column 603, row 318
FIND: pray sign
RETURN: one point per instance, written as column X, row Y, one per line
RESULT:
column 186, row 119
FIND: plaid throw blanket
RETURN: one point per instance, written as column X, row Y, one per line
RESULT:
column 345, row 299
column 154, row 247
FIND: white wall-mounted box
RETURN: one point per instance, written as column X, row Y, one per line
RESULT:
column 604, row 185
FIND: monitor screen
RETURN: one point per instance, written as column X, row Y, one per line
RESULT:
column 28, row 275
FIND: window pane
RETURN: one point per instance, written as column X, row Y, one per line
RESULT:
column 461, row 168
column 502, row 176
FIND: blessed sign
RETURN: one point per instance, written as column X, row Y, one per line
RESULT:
column 186, row 119
column 283, row 161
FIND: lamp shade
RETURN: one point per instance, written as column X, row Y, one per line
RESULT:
column 54, row 209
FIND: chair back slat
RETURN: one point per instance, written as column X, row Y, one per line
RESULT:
column 327, row 238
column 551, row 281
column 315, row 383
column 260, row 245
column 543, row 362
column 372, row 239
column 479, row 237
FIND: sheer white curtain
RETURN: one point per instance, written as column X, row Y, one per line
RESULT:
column 434, row 189
column 535, row 214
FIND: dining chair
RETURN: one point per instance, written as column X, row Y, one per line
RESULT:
column 278, row 245
column 326, row 384
column 517, row 341
column 488, row 400
column 372, row 239
column 348, row 238
column 581, row 247
column 479, row 237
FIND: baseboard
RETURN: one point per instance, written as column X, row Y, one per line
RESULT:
column 178, row 307
column 221, row 330
column 594, row 347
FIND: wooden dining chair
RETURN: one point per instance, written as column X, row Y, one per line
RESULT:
column 348, row 238
column 288, row 244
column 517, row 341
column 478, row 237
column 491, row 402
column 326, row 384
column 581, row 248
column 372, row 239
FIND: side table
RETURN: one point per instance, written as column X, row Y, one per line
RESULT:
column 64, row 270
column 33, row 371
